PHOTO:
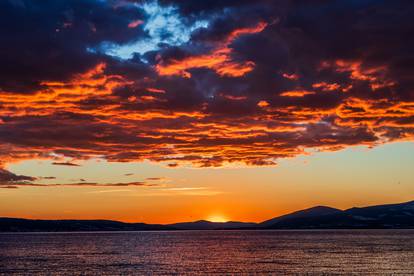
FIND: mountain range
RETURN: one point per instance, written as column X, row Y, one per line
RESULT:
column 390, row 216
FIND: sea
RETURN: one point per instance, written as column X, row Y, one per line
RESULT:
column 227, row 252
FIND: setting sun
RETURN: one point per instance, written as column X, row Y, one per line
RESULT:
column 217, row 218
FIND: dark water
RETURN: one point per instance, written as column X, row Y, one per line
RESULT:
column 362, row 252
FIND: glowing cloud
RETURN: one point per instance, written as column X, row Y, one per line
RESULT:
column 260, row 94
column 218, row 60
column 296, row 93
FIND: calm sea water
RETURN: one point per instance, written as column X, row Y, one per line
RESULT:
column 362, row 252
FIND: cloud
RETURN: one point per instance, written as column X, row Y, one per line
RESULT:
column 65, row 164
column 218, row 59
column 9, row 177
column 14, row 185
column 296, row 93
column 92, row 184
column 260, row 81
column 155, row 178
column 58, row 33
column 9, row 180
column 47, row 177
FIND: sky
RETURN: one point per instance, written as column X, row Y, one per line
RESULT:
column 166, row 111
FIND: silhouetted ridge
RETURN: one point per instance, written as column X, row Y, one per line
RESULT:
column 27, row 225
column 306, row 213
column 376, row 217
column 320, row 217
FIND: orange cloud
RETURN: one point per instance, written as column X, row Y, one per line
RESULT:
column 326, row 86
column 375, row 76
column 89, row 117
column 218, row 60
column 296, row 93
column 263, row 104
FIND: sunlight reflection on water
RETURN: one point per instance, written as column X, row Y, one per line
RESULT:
column 209, row 252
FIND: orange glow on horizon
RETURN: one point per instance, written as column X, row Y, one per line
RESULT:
column 217, row 218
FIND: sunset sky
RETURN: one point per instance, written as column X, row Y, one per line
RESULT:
column 178, row 110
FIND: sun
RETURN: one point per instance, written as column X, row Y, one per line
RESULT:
column 217, row 218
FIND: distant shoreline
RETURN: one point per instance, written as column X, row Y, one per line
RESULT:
column 206, row 230
column 390, row 216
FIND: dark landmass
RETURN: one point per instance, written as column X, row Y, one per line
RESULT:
column 28, row 225
column 374, row 217
column 313, row 212
column 390, row 216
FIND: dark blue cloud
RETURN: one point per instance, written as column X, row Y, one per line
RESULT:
column 49, row 40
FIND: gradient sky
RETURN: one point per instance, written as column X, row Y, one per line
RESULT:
column 166, row 111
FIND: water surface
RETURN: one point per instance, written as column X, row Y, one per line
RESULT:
column 364, row 252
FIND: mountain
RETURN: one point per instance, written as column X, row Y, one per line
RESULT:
column 388, row 216
column 307, row 213
column 28, row 225
column 373, row 217
column 208, row 225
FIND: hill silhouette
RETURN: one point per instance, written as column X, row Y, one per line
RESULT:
column 389, row 216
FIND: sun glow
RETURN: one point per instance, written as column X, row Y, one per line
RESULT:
column 217, row 218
